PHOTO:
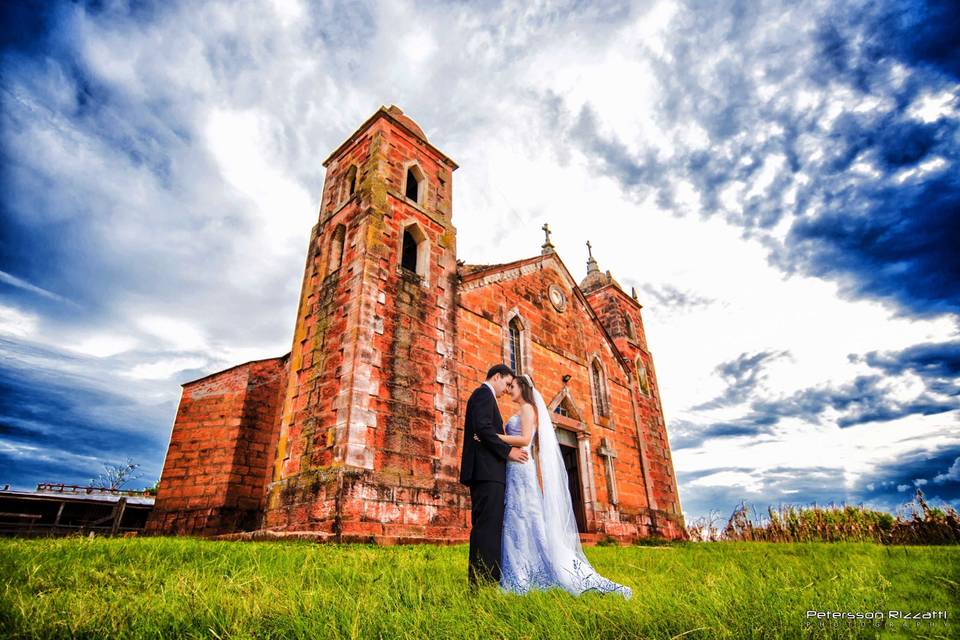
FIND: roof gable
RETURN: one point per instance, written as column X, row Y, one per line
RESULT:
column 478, row 276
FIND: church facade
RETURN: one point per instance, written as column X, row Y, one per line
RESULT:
column 356, row 433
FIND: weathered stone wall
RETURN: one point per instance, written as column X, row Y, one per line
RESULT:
column 375, row 344
column 613, row 306
column 218, row 462
column 356, row 434
column 559, row 343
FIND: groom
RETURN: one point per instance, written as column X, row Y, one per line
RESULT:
column 483, row 468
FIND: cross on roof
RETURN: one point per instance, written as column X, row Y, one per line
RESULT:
column 591, row 261
column 547, row 246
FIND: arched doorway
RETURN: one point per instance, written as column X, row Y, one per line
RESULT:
column 574, row 441
column 570, row 451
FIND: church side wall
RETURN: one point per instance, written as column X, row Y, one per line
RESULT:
column 558, row 344
column 218, row 461
column 613, row 306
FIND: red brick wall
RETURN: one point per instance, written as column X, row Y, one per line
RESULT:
column 612, row 306
column 558, row 344
column 357, row 433
column 364, row 446
column 219, row 459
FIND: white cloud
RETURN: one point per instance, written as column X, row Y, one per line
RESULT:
column 178, row 334
column 746, row 481
column 26, row 286
column 203, row 176
column 102, row 345
column 288, row 11
column 243, row 144
column 17, row 323
column 951, row 474
column 418, row 46
column 164, row 369
column 928, row 107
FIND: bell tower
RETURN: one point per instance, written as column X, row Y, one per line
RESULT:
column 621, row 318
column 369, row 413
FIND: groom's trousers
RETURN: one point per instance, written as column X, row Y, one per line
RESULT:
column 486, row 531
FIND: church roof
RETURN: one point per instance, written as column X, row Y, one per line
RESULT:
column 596, row 279
column 236, row 366
column 473, row 272
column 404, row 122
column 470, row 269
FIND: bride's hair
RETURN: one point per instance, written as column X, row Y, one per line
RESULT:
column 526, row 389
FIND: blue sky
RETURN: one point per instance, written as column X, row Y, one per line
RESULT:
column 777, row 179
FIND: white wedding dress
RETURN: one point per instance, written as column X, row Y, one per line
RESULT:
column 529, row 558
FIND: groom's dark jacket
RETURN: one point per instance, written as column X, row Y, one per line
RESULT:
column 484, row 454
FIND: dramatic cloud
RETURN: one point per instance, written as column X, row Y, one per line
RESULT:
column 742, row 377
column 777, row 180
column 715, row 493
column 670, row 297
column 932, row 471
column 826, row 127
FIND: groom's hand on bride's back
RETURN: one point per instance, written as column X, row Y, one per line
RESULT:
column 517, row 454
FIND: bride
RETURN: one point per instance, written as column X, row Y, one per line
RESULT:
column 530, row 559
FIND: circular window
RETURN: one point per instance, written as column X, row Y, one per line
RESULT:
column 557, row 298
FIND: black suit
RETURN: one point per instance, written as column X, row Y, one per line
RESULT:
column 483, row 467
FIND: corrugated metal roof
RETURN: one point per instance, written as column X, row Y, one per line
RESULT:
column 84, row 497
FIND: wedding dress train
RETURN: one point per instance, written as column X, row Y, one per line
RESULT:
column 529, row 559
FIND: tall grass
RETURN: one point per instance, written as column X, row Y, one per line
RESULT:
column 164, row 587
column 914, row 523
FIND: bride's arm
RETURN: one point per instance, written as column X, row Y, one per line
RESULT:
column 527, row 414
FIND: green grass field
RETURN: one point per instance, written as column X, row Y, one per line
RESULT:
column 192, row 588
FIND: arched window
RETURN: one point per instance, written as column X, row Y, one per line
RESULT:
column 349, row 183
column 516, row 346
column 336, row 248
column 642, row 378
column 414, row 251
column 414, row 184
column 408, row 259
column 599, row 389
column 631, row 331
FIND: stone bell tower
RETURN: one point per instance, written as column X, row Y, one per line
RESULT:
column 367, row 439
column 621, row 316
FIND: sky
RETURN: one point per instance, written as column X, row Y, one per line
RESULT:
column 778, row 180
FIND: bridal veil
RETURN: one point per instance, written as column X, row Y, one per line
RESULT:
column 564, row 550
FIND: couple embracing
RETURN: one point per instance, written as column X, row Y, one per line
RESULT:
column 522, row 536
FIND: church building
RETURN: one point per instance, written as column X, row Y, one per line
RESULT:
column 356, row 433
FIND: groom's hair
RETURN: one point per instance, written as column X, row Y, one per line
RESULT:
column 502, row 369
